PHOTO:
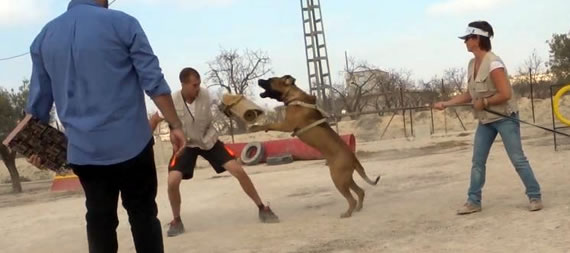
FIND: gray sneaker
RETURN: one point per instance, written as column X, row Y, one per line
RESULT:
column 267, row 216
column 468, row 208
column 535, row 205
column 175, row 228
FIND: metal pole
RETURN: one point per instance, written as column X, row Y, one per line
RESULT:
column 386, row 128
column 553, row 122
column 403, row 111
column 444, row 122
column 346, row 60
column 460, row 121
column 395, row 110
column 432, row 125
column 444, row 115
column 411, row 123
column 531, row 94
column 232, row 129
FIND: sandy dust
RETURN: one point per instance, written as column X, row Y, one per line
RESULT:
column 424, row 179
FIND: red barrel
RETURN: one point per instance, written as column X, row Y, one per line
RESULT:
column 293, row 146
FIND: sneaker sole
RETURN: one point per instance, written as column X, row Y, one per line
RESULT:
column 174, row 234
column 470, row 212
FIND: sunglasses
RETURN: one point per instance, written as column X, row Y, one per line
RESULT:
column 470, row 37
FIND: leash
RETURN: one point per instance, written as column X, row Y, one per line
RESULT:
column 528, row 123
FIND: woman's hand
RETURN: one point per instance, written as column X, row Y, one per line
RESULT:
column 478, row 104
column 440, row 105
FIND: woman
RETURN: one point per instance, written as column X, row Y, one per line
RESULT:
column 489, row 88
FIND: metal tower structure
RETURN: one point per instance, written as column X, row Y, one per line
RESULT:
column 316, row 52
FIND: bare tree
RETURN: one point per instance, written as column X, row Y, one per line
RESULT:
column 532, row 65
column 532, row 71
column 392, row 89
column 360, row 87
column 432, row 88
column 451, row 83
column 236, row 72
column 454, row 80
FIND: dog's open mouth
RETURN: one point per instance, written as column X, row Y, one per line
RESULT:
column 268, row 93
column 263, row 84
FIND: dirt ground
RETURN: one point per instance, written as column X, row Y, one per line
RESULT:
column 412, row 209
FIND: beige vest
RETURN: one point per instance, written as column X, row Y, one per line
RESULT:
column 482, row 86
column 198, row 129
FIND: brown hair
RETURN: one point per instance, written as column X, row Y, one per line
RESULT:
column 186, row 73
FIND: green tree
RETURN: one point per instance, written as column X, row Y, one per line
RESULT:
column 12, row 104
column 559, row 61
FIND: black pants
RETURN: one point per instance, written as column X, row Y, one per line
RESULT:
column 136, row 180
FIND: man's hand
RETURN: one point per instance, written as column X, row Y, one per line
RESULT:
column 177, row 139
column 478, row 104
column 36, row 161
column 224, row 109
column 440, row 105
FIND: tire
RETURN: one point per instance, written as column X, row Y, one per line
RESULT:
column 252, row 153
column 282, row 159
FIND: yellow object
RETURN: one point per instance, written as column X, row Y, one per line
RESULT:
column 556, row 104
column 65, row 176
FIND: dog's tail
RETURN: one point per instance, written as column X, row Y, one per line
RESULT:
column 362, row 173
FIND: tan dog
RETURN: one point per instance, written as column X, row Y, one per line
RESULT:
column 340, row 159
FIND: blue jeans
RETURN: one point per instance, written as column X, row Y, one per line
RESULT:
column 511, row 136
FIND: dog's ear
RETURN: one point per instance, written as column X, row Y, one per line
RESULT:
column 289, row 80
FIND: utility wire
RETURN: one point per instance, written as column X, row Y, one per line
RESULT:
column 13, row 57
column 26, row 53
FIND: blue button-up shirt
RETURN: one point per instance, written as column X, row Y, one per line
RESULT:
column 95, row 63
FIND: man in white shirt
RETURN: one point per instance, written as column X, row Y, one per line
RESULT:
column 193, row 107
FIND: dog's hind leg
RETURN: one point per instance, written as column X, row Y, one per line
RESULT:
column 359, row 192
column 343, row 186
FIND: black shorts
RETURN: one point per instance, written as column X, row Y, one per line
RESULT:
column 217, row 156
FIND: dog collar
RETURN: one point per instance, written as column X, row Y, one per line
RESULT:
column 284, row 96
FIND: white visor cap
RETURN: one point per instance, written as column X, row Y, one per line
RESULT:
column 473, row 31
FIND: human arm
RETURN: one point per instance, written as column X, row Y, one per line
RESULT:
column 502, row 86
column 40, row 99
column 152, row 80
column 459, row 99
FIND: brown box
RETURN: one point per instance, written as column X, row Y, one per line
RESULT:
column 31, row 136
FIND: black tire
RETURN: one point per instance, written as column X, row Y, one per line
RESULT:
column 282, row 159
column 252, row 153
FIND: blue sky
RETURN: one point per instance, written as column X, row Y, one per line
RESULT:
column 420, row 36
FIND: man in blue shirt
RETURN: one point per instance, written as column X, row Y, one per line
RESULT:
column 96, row 64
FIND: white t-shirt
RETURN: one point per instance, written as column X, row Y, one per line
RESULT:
column 191, row 107
column 495, row 65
